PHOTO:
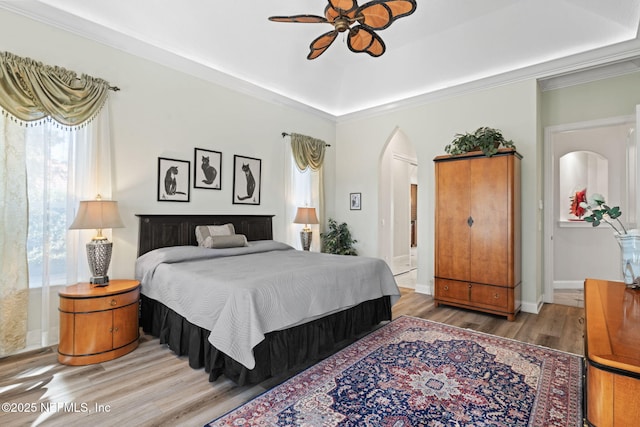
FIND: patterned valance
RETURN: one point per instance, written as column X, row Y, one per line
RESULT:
column 307, row 151
column 31, row 91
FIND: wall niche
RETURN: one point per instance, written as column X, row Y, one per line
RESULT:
column 581, row 174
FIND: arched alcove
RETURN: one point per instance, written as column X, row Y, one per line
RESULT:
column 581, row 173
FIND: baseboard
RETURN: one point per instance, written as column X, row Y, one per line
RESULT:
column 568, row 284
column 34, row 338
column 423, row 289
column 529, row 307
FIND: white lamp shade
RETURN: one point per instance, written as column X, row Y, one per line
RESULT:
column 306, row 216
column 97, row 214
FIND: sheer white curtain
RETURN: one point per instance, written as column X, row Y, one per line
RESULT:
column 66, row 165
column 14, row 285
column 90, row 174
column 302, row 189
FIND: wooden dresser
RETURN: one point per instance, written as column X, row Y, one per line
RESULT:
column 612, row 351
column 98, row 323
column 478, row 232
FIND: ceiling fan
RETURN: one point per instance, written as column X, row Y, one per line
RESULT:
column 342, row 14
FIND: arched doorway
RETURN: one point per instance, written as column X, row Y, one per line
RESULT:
column 397, row 210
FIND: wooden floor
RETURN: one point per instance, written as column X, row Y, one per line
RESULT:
column 153, row 387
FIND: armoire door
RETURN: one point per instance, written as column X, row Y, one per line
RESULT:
column 491, row 215
column 452, row 213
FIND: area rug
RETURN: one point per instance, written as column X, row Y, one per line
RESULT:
column 415, row 372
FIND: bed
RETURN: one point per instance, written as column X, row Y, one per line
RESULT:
column 225, row 310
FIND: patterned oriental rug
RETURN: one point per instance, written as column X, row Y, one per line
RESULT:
column 415, row 372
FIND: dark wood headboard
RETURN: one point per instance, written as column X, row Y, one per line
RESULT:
column 159, row 231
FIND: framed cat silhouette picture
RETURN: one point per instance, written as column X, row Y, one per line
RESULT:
column 207, row 169
column 246, row 180
column 174, row 180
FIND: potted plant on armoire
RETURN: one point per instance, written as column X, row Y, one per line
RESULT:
column 478, row 224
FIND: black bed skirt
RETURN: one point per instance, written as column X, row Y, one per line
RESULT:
column 278, row 353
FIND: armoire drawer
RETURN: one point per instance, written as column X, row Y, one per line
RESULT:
column 490, row 295
column 452, row 290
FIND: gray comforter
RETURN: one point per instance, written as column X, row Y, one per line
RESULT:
column 240, row 294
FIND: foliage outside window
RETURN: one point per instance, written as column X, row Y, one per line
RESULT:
column 47, row 178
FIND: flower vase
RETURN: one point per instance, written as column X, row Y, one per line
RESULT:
column 630, row 254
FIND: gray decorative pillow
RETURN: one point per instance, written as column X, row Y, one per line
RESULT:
column 204, row 231
column 221, row 242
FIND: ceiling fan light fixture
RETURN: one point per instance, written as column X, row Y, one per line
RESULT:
column 341, row 24
column 342, row 14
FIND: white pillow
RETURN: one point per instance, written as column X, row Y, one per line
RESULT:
column 204, row 231
column 221, row 242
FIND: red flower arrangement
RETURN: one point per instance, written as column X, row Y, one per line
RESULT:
column 579, row 197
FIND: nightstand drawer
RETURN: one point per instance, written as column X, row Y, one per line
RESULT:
column 108, row 302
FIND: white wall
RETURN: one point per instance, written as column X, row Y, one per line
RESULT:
column 160, row 112
column 511, row 108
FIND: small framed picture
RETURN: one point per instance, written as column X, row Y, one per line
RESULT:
column 246, row 180
column 354, row 201
column 173, row 180
column 207, row 169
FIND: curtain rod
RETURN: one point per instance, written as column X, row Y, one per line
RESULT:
column 286, row 134
column 113, row 88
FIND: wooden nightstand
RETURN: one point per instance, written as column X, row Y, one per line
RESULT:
column 98, row 323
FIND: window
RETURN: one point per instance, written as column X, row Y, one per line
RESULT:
column 48, row 153
column 301, row 189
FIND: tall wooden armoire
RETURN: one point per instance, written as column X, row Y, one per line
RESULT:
column 478, row 232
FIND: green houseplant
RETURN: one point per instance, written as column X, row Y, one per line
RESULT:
column 485, row 139
column 338, row 239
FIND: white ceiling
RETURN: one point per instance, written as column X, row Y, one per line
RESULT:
column 444, row 44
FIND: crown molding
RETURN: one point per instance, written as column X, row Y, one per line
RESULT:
column 611, row 61
column 618, row 59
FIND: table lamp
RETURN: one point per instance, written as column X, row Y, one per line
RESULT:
column 98, row 214
column 306, row 216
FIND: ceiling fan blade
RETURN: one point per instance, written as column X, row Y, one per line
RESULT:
column 363, row 39
column 322, row 43
column 379, row 14
column 305, row 19
column 344, row 5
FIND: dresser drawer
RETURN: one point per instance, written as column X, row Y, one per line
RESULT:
column 107, row 302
